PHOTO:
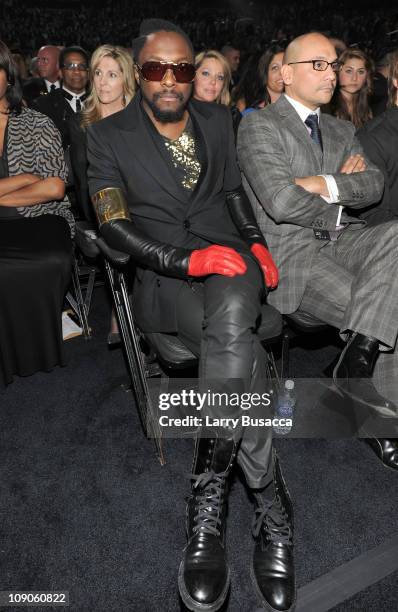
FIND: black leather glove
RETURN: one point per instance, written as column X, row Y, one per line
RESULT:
column 243, row 216
column 122, row 235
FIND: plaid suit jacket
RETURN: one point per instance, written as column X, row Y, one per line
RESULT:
column 274, row 147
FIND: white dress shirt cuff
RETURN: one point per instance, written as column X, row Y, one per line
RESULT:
column 333, row 197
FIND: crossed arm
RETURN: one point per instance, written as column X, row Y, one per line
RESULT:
column 29, row 189
column 317, row 184
column 272, row 169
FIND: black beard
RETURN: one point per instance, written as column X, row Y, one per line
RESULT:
column 166, row 116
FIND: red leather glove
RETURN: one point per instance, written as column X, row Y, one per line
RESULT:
column 267, row 264
column 216, row 259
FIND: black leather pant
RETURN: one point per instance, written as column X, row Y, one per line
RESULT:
column 217, row 319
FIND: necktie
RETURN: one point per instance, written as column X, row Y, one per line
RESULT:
column 312, row 122
column 52, row 87
column 78, row 105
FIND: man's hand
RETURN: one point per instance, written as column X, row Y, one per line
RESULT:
column 313, row 184
column 216, row 259
column 355, row 163
column 267, row 264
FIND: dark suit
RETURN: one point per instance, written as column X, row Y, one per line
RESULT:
column 379, row 138
column 123, row 152
column 55, row 106
column 33, row 88
column 217, row 316
column 351, row 283
column 78, row 161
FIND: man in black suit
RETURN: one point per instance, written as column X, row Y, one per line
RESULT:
column 62, row 104
column 47, row 63
column 167, row 189
column 65, row 101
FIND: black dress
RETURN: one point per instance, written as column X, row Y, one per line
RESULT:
column 35, row 265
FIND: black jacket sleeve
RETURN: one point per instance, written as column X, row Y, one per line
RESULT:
column 243, row 216
column 122, row 235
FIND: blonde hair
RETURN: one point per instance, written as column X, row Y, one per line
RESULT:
column 91, row 112
column 224, row 97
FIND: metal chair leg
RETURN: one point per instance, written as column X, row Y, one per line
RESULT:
column 79, row 305
column 134, row 358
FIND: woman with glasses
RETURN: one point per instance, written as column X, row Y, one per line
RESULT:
column 213, row 78
column 351, row 97
column 35, row 233
column 112, row 86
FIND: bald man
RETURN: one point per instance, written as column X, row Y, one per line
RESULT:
column 47, row 65
column 304, row 172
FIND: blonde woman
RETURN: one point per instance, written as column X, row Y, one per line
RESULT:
column 112, row 86
column 112, row 83
column 213, row 77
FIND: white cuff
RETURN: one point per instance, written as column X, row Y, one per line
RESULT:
column 333, row 195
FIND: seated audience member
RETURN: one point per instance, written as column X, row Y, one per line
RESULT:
column 379, row 138
column 112, row 87
column 269, row 67
column 35, row 233
column 261, row 83
column 166, row 164
column 47, row 79
column 212, row 82
column 351, row 98
column 63, row 102
column 304, row 171
column 213, row 78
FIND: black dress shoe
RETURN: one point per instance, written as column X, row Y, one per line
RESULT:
column 353, row 376
column 204, row 575
column 272, row 568
column 386, row 449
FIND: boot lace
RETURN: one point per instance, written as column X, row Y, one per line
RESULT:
column 274, row 516
column 208, row 502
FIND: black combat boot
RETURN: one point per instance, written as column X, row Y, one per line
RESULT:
column 204, row 576
column 273, row 564
column 353, row 375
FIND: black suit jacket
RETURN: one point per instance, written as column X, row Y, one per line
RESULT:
column 78, row 163
column 55, row 106
column 125, row 151
column 379, row 138
column 33, row 88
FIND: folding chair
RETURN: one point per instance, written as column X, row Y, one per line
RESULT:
column 165, row 352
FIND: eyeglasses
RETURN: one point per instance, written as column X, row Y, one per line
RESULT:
column 75, row 66
column 320, row 65
column 155, row 71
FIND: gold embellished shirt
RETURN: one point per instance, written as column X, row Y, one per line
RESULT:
column 184, row 157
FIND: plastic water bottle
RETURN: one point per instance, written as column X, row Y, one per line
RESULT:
column 285, row 407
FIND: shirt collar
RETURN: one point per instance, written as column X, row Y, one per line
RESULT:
column 303, row 111
column 48, row 84
column 72, row 93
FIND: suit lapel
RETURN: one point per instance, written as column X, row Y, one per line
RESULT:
column 139, row 135
column 204, row 144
